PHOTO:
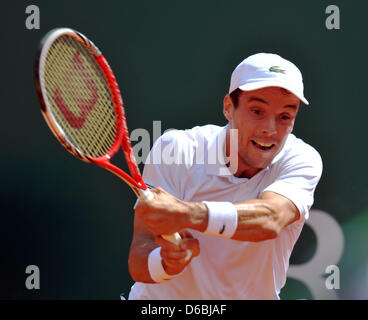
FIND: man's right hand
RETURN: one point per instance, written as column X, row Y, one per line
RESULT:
column 176, row 257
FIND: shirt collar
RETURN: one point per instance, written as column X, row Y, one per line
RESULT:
column 216, row 164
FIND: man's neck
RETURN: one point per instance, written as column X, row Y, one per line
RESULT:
column 235, row 164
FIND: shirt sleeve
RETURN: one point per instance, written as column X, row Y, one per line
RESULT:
column 298, row 178
column 163, row 167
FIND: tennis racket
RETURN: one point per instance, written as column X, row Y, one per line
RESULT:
column 82, row 105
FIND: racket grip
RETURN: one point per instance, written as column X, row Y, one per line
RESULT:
column 173, row 238
column 146, row 194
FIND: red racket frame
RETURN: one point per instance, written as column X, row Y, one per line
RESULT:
column 122, row 134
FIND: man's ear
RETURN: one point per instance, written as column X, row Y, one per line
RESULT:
column 228, row 108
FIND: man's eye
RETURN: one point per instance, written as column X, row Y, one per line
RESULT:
column 285, row 117
column 256, row 111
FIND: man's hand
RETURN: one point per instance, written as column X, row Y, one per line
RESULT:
column 175, row 257
column 144, row 241
column 166, row 214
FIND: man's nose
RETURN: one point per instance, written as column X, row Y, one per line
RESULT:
column 269, row 127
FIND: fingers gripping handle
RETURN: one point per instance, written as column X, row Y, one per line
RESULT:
column 173, row 238
column 146, row 194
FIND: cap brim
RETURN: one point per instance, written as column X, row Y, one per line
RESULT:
column 264, row 84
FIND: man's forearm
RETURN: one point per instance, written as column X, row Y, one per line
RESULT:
column 257, row 220
column 141, row 247
column 251, row 220
column 197, row 216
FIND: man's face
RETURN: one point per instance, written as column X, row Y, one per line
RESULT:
column 264, row 118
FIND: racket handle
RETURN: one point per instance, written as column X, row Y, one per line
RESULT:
column 173, row 238
column 146, row 194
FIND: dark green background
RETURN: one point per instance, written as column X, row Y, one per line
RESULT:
column 173, row 61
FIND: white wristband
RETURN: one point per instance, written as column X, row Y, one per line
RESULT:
column 222, row 219
column 155, row 268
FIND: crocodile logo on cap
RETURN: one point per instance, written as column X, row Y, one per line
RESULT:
column 277, row 69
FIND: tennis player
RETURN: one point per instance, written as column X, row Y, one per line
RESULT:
column 240, row 215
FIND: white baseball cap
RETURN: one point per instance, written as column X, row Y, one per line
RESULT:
column 263, row 70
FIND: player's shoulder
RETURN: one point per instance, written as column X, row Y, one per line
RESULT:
column 186, row 148
column 296, row 149
column 192, row 136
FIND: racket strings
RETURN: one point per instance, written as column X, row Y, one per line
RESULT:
column 78, row 92
column 102, row 90
column 79, row 97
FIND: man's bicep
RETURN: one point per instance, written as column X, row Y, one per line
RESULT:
column 297, row 180
column 287, row 210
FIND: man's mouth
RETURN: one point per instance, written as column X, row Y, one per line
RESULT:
column 262, row 145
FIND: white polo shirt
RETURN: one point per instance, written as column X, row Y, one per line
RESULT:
column 182, row 163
